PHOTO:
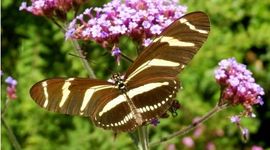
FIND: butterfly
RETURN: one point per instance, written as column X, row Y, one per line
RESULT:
column 144, row 92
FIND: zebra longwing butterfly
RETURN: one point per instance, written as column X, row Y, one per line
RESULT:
column 147, row 89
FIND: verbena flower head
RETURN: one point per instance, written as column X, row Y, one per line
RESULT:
column 49, row 7
column 11, row 88
column 238, row 84
column 188, row 142
column 211, row 146
column 138, row 19
column 255, row 147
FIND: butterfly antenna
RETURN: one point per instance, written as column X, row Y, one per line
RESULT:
column 84, row 57
column 127, row 58
column 76, row 56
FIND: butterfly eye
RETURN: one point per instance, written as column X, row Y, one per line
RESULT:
column 121, row 85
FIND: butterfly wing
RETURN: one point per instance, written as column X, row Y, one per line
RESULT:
column 155, row 70
column 75, row 96
column 153, row 96
column 85, row 97
column 173, row 49
column 151, row 81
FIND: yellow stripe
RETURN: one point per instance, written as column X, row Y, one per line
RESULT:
column 65, row 91
column 192, row 27
column 44, row 85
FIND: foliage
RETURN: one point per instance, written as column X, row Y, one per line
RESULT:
column 34, row 49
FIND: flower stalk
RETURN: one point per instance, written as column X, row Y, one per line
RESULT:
column 11, row 135
column 143, row 143
column 192, row 126
column 86, row 65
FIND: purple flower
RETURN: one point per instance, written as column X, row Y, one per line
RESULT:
column 245, row 131
column 245, row 134
column 1, row 73
column 235, row 119
column 210, row 146
column 198, row 130
column 49, row 7
column 154, row 121
column 11, row 92
column 147, row 42
column 238, row 84
column 138, row 19
column 10, row 81
column 255, row 147
column 116, row 52
column 11, row 88
column 171, row 147
column 156, row 29
column 188, row 142
column 146, row 24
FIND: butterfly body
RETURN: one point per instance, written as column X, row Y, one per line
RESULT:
column 147, row 89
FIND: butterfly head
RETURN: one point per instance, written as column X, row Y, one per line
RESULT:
column 119, row 81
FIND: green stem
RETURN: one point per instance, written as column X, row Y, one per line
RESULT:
column 182, row 132
column 84, row 61
column 11, row 135
column 77, row 49
column 127, row 58
column 5, row 108
column 143, row 143
column 59, row 25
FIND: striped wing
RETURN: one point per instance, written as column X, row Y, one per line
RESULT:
column 74, row 96
column 150, row 82
column 153, row 96
column 163, row 60
column 97, row 99
column 173, row 49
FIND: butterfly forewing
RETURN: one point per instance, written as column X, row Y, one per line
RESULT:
column 163, row 60
column 173, row 49
column 75, row 96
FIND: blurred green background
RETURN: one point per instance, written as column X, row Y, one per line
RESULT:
column 34, row 49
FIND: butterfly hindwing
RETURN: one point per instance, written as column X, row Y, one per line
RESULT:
column 153, row 96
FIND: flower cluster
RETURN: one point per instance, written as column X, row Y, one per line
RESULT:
column 11, row 88
column 138, row 19
column 49, row 7
column 255, row 147
column 238, row 85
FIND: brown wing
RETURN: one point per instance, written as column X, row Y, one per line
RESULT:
column 85, row 97
column 153, row 96
column 154, row 72
column 74, row 96
column 173, row 49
